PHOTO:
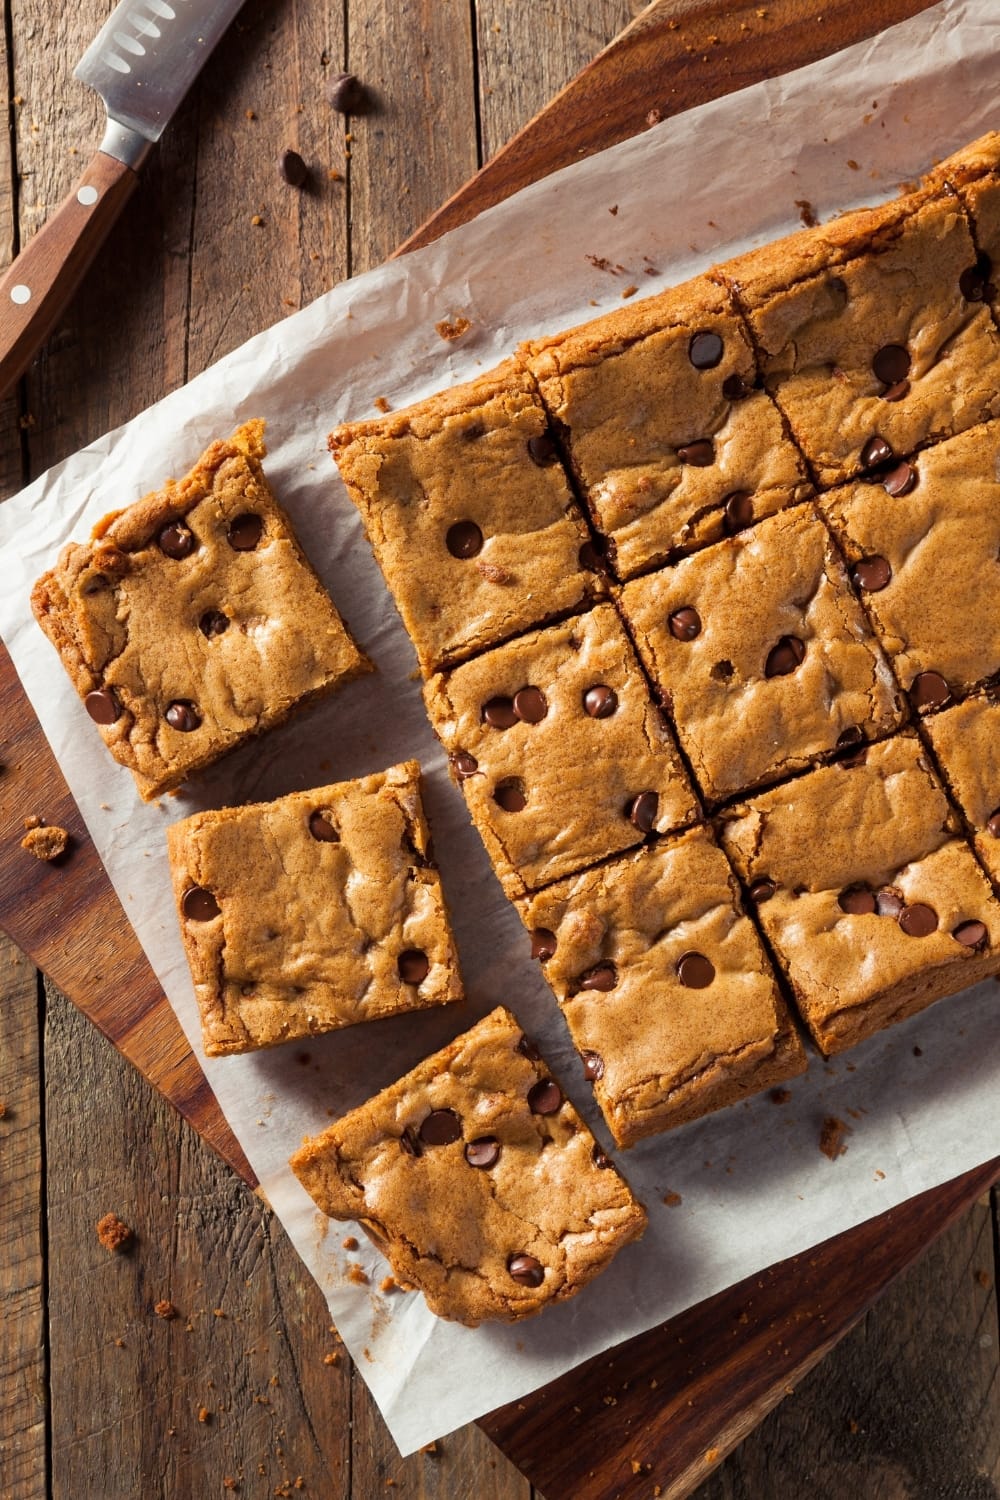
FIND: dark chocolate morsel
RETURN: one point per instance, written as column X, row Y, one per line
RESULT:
column 705, row 350
column 526, row 1270
column 245, row 532
column 784, row 657
column 970, row 934
column 199, row 905
column 464, row 539
column 600, row 702
column 929, row 690
column 182, row 715
column 545, row 1097
column 440, row 1128
column 176, row 540
column 695, row 971
column 292, row 168
column 102, row 706
column 483, row 1152
column 685, row 623
column 509, row 795
column 918, row 920
column 414, row 965
column 593, row 1065
column 322, row 829
column 543, row 943
column 642, row 811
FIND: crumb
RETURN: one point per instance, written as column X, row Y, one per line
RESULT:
column 358, row 1275
column 119, row 1343
column 349, row 1242
column 34, row 821
column 713, row 1453
column 672, row 1199
column 331, row 1359
column 806, row 213
column 984, row 1281
column 918, row 1051
column 334, row 176
column 451, row 331
column 204, row 1415
column 251, row 114
column 613, row 210
column 431, row 1448
column 601, row 263
column 113, row 1234
column 165, row 1309
column 388, row 1284
column 653, row 117
column 780, row 1096
column 217, row 1312
column 229, row 1483
column 46, row 843
column 852, row 1425
column 853, row 165
column 879, row 1175
column 257, row 220
column 381, row 404
column 636, row 1466
column 831, row 1140
column 630, row 290
column 493, row 574
column 3, row 1109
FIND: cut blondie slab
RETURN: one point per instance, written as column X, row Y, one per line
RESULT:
column 918, row 551
column 671, row 444
column 974, row 174
column 872, row 340
column 666, row 990
column 470, row 516
column 192, row 620
column 559, row 749
column 312, row 912
column 870, row 896
column 477, row 1180
column 966, row 741
column 762, row 654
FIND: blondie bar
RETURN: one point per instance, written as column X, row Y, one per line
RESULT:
column 666, row 990
column 559, row 749
column 477, row 1180
column 966, row 741
column 192, row 620
column 869, row 894
column 974, row 173
column 671, row 444
column 312, row 912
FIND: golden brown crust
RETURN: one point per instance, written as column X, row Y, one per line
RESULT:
column 308, row 931
column 450, row 1228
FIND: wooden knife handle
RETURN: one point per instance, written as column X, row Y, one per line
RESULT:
column 37, row 288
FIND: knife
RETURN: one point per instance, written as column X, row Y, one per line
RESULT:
column 142, row 62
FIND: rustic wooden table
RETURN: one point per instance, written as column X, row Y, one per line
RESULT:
column 246, row 1391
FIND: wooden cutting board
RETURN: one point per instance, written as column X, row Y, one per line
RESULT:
column 682, row 1395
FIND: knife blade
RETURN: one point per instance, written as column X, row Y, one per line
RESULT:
column 142, row 63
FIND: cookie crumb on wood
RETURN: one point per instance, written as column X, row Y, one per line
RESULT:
column 113, row 1233
column 165, row 1309
column 45, row 843
column 204, row 1415
column 449, row 331
column 331, row 1359
column 831, row 1139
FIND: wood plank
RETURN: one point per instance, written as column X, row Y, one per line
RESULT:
column 23, row 1373
column 249, row 1342
column 907, row 1404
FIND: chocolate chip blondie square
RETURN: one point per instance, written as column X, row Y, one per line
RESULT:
column 762, row 654
column 469, row 513
column 665, row 987
column 966, row 742
column 561, row 753
column 315, row 911
column 974, row 174
column 671, row 443
column 477, row 1179
column 867, row 890
column 192, row 620
column 872, row 332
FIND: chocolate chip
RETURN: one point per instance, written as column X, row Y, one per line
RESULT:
column 592, row 558
column 530, row 705
column 685, row 623
column 601, row 977
column 510, row 796
column 851, row 741
column 900, row 480
column 973, row 281
column 408, row 1142
column 499, row 713
column 245, row 532
column 292, row 168
column 483, row 1152
column 182, row 715
column 542, row 449
column 199, row 905
column 526, row 1270
column 891, row 363
column 464, row 764
column 543, row 943
column 896, row 392
column 545, row 1097
column 929, row 690
column 889, row 903
column 347, row 94
column 735, row 388
column 695, row 971
column 102, row 706
column 600, row 702
column 871, row 573
column 918, row 920
column 738, row 510
column 176, row 540
column 705, row 350
column 641, row 811
column 700, row 453
column 857, row 901
column 322, row 829
column 464, row 539
column 440, row 1128
column 993, row 826
column 527, row 1049
column 784, row 657
column 876, row 451
column 762, row 890
column 601, row 1158
column 970, row 934
column 213, row 622
column 721, row 671
column 593, row 1066
column 414, row 965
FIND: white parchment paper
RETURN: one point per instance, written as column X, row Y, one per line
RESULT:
column 922, row 1101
